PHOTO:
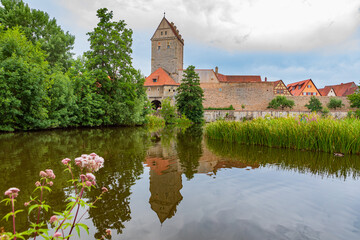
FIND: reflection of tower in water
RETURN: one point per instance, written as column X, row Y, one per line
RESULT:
column 165, row 186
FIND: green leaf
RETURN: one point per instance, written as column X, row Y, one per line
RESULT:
column 77, row 229
column 7, row 216
column 84, row 226
column 32, row 207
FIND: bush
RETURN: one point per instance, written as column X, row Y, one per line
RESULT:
column 325, row 112
column 228, row 108
column 335, row 103
column 282, row 102
column 154, row 121
column 168, row 112
column 314, row 104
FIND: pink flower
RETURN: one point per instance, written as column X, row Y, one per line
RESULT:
column 66, row 161
column 88, row 183
column 104, row 189
column 8, row 193
column 12, row 192
column 82, row 177
column 90, row 176
column 38, row 184
column 53, row 219
column 50, row 173
column 57, row 234
column 108, row 232
column 93, row 154
column 26, row 204
column 43, row 174
column 51, row 183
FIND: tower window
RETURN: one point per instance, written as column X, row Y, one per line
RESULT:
column 154, row 79
column 165, row 32
column 168, row 44
column 158, row 47
column 161, row 33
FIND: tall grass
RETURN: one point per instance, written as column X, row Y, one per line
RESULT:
column 322, row 134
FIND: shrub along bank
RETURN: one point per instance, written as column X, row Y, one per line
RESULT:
column 304, row 132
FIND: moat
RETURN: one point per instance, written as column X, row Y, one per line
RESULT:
column 175, row 184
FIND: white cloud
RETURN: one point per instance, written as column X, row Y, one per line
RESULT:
column 251, row 25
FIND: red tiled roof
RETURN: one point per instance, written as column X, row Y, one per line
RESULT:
column 237, row 78
column 297, row 91
column 344, row 89
column 162, row 79
column 325, row 91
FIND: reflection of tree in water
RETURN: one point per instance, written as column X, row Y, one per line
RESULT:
column 323, row 164
column 189, row 149
column 23, row 155
column 124, row 158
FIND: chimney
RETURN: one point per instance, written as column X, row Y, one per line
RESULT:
column 265, row 79
column 216, row 70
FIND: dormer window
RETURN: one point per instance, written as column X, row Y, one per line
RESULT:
column 299, row 86
column 294, row 88
column 154, row 80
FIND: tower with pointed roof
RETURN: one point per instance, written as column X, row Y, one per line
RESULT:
column 167, row 49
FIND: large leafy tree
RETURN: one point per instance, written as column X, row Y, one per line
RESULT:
column 23, row 76
column 110, row 63
column 190, row 96
column 38, row 27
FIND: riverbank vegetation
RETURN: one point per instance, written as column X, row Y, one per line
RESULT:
column 42, row 86
column 304, row 132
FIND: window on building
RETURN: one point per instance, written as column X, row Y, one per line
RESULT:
column 165, row 32
column 161, row 33
column 158, row 48
column 304, row 93
column 168, row 44
column 158, row 89
column 314, row 93
column 220, row 89
column 154, row 80
column 309, row 86
column 174, row 90
column 281, row 91
column 294, row 88
column 149, row 89
column 277, row 91
column 169, row 90
column 299, row 87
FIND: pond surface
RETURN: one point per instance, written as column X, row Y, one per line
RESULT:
column 174, row 184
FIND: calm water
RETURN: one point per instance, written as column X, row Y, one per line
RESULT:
column 174, row 184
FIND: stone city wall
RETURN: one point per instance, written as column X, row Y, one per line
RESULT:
column 254, row 96
column 213, row 115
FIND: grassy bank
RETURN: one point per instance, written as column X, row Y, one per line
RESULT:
column 316, row 134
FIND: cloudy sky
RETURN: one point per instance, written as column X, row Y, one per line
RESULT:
column 278, row 39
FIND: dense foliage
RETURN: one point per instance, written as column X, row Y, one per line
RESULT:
column 110, row 63
column 306, row 132
column 314, row 104
column 168, row 112
column 39, row 28
column 190, row 96
column 42, row 87
column 355, row 99
column 335, row 103
column 281, row 102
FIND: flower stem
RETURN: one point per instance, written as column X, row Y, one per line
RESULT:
column 13, row 211
column 38, row 216
column 77, row 212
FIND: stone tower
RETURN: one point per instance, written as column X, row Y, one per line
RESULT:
column 167, row 49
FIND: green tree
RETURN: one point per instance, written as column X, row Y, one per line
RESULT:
column 168, row 112
column 335, row 103
column 23, row 74
column 38, row 27
column 89, row 103
column 190, row 96
column 110, row 64
column 355, row 99
column 281, row 102
column 314, row 104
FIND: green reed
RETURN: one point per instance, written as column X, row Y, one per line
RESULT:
column 304, row 132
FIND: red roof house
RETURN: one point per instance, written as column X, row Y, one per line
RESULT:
column 160, row 78
column 303, row 88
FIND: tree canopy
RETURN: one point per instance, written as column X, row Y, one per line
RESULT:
column 281, row 102
column 39, row 28
column 110, row 63
column 314, row 104
column 190, row 96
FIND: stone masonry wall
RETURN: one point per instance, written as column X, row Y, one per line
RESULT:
column 255, row 96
